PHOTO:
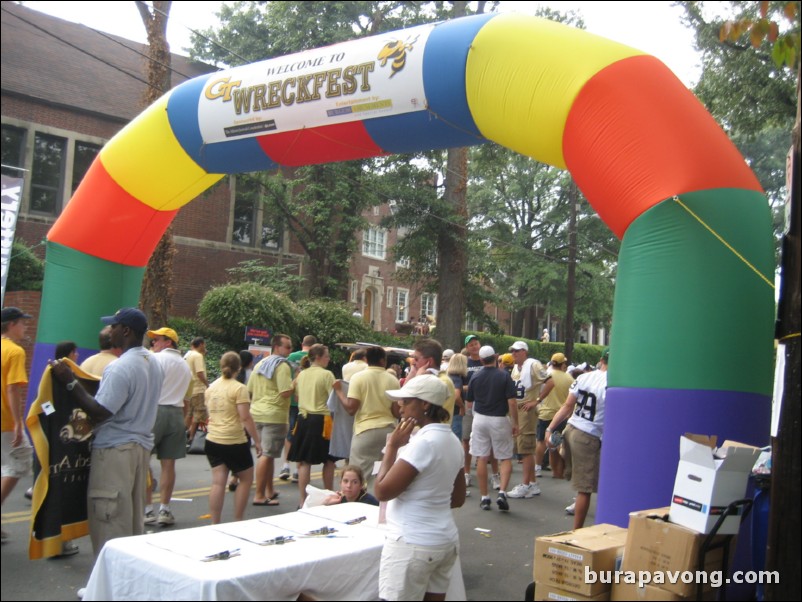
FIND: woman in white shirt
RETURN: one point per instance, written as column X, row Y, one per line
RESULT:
column 422, row 477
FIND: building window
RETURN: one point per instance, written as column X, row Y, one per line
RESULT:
column 12, row 151
column 250, row 217
column 428, row 305
column 403, row 262
column 85, row 153
column 374, row 242
column 47, row 174
column 389, row 297
column 401, row 304
column 354, row 290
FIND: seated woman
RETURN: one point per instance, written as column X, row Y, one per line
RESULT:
column 352, row 488
column 227, row 448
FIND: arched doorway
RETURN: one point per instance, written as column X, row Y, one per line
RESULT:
column 367, row 305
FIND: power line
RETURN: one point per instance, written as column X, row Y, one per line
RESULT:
column 197, row 33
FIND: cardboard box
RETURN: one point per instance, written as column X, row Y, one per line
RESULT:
column 624, row 592
column 666, row 550
column 547, row 592
column 708, row 480
column 561, row 559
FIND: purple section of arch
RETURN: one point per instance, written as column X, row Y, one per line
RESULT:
column 629, row 430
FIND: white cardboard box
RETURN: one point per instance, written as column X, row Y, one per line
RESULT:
column 708, row 480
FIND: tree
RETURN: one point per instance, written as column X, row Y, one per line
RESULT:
column 521, row 207
column 323, row 207
column 155, row 295
column 25, row 270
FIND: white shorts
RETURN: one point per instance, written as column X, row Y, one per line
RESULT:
column 491, row 433
column 17, row 461
column 409, row 571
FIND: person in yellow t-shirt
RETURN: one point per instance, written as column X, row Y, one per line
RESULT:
column 228, row 406
column 310, row 444
column 17, row 450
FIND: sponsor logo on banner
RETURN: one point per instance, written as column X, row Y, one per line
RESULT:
column 372, row 77
column 11, row 198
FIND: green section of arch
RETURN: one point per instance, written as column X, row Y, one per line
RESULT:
column 78, row 290
column 685, row 304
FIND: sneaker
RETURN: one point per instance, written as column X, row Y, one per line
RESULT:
column 294, row 477
column 150, row 517
column 495, row 480
column 28, row 493
column 81, row 593
column 569, row 510
column 502, row 501
column 284, row 475
column 485, row 503
column 467, row 479
column 523, row 490
column 534, row 488
column 538, row 470
column 166, row 517
column 68, row 548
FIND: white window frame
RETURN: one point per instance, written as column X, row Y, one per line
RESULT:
column 354, row 290
column 374, row 243
column 389, row 297
column 402, row 305
column 432, row 298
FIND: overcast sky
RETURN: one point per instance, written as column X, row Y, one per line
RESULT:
column 653, row 27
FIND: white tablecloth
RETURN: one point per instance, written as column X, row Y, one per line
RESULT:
column 168, row 566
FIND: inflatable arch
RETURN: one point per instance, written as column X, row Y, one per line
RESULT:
column 693, row 316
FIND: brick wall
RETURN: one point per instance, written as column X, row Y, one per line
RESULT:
column 29, row 109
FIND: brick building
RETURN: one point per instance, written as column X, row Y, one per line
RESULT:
column 67, row 89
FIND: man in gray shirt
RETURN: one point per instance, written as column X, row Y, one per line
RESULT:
column 124, row 412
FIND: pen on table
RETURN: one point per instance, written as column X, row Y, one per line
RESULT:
column 224, row 555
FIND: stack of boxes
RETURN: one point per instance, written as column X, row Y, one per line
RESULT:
column 563, row 562
column 662, row 547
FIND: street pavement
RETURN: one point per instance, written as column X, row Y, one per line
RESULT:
column 497, row 564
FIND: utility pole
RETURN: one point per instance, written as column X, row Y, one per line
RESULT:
column 571, row 301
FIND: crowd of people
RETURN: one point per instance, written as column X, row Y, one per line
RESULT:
column 408, row 436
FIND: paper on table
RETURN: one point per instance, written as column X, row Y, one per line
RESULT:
column 197, row 544
column 255, row 531
column 347, row 513
column 301, row 523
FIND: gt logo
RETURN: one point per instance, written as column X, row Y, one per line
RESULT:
column 221, row 88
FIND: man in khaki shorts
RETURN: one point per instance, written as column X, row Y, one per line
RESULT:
column 196, row 412
column 582, row 443
column 124, row 412
column 528, row 374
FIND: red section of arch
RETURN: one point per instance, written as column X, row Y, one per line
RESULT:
column 104, row 221
column 636, row 136
column 338, row 142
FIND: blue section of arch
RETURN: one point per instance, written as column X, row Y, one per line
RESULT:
column 415, row 132
column 444, row 66
column 447, row 121
column 230, row 157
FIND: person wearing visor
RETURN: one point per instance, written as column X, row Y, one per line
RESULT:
column 422, row 478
